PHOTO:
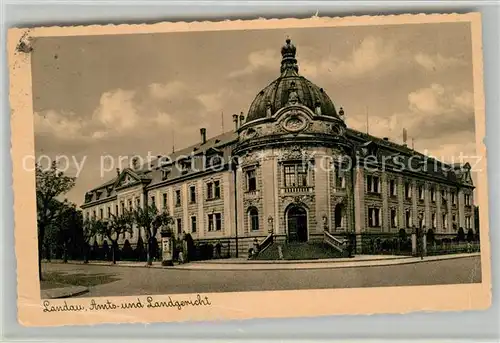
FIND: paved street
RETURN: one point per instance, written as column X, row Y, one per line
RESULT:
column 122, row 281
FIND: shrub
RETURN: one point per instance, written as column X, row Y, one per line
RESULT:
column 470, row 235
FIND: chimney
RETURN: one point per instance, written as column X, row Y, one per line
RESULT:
column 242, row 118
column 235, row 121
column 386, row 139
column 117, row 171
column 203, row 133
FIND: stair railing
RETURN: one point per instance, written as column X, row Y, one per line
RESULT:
column 334, row 242
column 266, row 243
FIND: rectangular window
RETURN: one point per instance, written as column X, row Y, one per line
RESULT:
column 339, row 179
column 116, row 210
column 109, row 211
column 421, row 192
column 467, row 200
column 218, row 221
column 302, row 175
column 394, row 218
column 372, row 184
column 130, row 205
column 296, row 175
column 408, row 218
column 433, row 218
column 153, row 201
column 407, row 190
column 101, row 213
column 192, row 194
column 467, row 222
column 392, row 188
column 179, row 226
column 94, row 215
column 123, row 207
column 138, row 202
column 445, row 221
column 178, row 198
column 433, row 195
column 210, row 190
column 87, row 215
column 217, row 189
column 193, row 224
column 164, row 200
column 251, row 180
column 374, row 217
column 290, row 176
column 214, row 222
column 211, row 222
column 453, row 198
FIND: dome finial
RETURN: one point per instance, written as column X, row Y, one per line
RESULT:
column 288, row 61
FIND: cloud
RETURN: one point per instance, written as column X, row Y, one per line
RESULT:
column 437, row 62
column 61, row 125
column 167, row 90
column 117, row 111
column 435, row 116
column 368, row 56
column 257, row 60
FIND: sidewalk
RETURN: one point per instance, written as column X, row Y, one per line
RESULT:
column 244, row 264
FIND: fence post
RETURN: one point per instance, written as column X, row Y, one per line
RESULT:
column 414, row 243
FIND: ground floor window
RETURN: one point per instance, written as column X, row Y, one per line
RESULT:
column 179, row 226
column 408, row 218
column 374, row 217
column 214, row 222
column 394, row 218
column 193, row 224
column 253, row 216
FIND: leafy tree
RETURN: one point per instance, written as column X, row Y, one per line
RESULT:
column 65, row 232
column 470, row 235
column 90, row 228
column 461, row 235
column 430, row 236
column 115, row 226
column 151, row 220
column 50, row 184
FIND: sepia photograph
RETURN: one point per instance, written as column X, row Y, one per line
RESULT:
column 280, row 158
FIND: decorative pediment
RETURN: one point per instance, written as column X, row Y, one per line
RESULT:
column 126, row 179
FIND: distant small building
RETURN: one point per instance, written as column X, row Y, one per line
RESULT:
column 291, row 166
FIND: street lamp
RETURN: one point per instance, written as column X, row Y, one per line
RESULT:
column 325, row 222
column 270, row 224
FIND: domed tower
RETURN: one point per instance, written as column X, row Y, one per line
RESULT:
column 288, row 146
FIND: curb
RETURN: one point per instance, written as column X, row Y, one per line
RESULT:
column 65, row 292
column 323, row 264
column 384, row 263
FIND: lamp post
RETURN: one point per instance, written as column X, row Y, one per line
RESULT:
column 325, row 222
column 270, row 224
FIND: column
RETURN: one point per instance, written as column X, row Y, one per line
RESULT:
column 386, row 218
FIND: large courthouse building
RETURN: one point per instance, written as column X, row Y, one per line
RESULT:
column 291, row 167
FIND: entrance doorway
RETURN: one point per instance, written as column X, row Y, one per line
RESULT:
column 297, row 224
column 338, row 215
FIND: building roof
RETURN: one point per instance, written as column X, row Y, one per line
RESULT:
column 290, row 86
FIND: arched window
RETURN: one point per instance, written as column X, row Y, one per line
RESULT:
column 253, row 216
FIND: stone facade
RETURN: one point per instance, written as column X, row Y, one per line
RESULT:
column 293, row 168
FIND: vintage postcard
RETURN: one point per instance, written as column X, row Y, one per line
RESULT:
column 246, row 169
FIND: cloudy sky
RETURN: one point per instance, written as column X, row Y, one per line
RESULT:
column 126, row 95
